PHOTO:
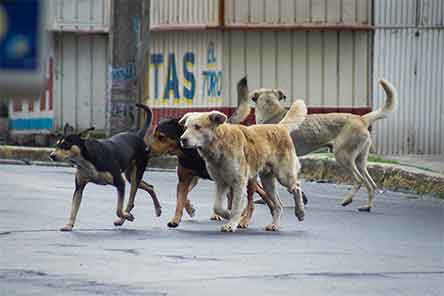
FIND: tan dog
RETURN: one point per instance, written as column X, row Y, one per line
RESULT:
column 347, row 134
column 235, row 154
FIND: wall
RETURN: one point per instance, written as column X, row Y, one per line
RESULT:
column 80, row 79
column 79, row 15
column 206, row 13
column 333, row 12
column 198, row 71
column 34, row 114
column 184, row 12
column 326, row 69
column 409, row 43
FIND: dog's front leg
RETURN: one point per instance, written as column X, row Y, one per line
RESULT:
column 218, row 207
column 185, row 180
column 120, row 184
column 248, row 212
column 76, row 200
column 237, row 207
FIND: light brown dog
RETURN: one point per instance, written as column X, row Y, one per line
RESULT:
column 346, row 133
column 235, row 154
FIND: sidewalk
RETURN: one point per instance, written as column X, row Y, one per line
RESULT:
column 433, row 163
column 414, row 173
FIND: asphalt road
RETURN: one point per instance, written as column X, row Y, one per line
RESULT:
column 398, row 249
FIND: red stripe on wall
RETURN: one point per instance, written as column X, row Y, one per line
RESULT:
column 17, row 104
column 30, row 105
column 159, row 113
column 49, row 87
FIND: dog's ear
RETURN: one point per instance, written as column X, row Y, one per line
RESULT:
column 217, row 117
column 184, row 118
column 281, row 95
column 67, row 130
column 254, row 95
column 85, row 133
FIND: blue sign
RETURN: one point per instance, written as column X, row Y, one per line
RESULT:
column 19, row 34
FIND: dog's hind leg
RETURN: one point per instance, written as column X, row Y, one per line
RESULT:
column 361, row 162
column 350, row 163
column 150, row 189
column 76, row 200
column 272, row 200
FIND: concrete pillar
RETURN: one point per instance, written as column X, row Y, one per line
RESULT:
column 124, row 69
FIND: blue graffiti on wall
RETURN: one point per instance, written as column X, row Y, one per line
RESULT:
column 211, row 76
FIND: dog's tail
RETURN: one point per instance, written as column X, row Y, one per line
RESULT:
column 295, row 115
column 149, row 117
column 243, row 105
column 390, row 104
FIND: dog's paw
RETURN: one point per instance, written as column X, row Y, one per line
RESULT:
column 128, row 216
column 119, row 222
column 346, row 202
column 191, row 211
column 243, row 225
column 66, row 227
column 172, row 224
column 272, row 227
column 216, row 218
column 304, row 198
column 158, row 211
column 299, row 214
column 228, row 228
column 365, row 209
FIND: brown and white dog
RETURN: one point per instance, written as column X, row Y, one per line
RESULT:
column 346, row 133
column 235, row 154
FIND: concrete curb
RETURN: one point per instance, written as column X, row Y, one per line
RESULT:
column 314, row 168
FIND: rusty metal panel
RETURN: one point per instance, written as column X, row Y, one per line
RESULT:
column 413, row 60
column 184, row 12
column 314, row 12
column 185, row 70
column 80, row 80
column 326, row 69
column 80, row 15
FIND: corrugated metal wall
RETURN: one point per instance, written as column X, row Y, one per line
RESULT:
column 80, row 79
column 201, row 69
column 298, row 11
column 326, row 69
column 409, row 46
column 79, row 15
column 184, row 12
column 185, row 69
column 206, row 12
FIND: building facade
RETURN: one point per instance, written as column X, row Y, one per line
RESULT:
column 318, row 51
column 187, row 55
